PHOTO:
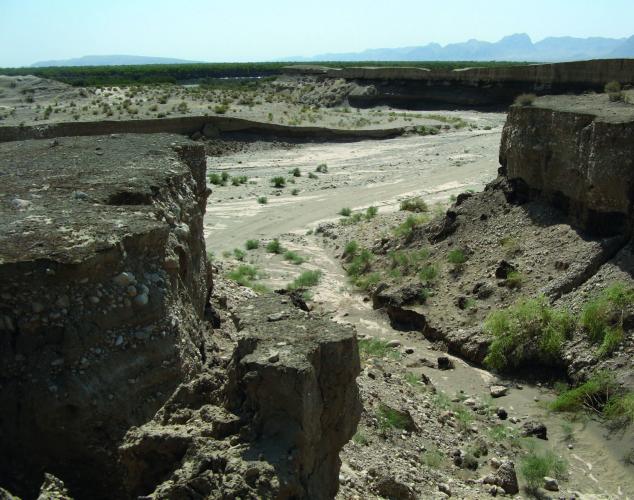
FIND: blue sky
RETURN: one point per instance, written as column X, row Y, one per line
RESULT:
column 254, row 30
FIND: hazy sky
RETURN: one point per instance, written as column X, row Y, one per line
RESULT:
column 255, row 30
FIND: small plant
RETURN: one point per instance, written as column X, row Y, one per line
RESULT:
column 408, row 261
column 252, row 244
column 371, row 212
column 360, row 264
column 296, row 172
column 514, row 279
column 433, row 457
column 457, row 257
column 278, row 182
column 295, row 192
column 312, row 175
column 217, row 180
column 525, row 99
column 428, row 274
column 376, row 348
column 345, row 212
column 182, row 107
column 246, row 275
column 536, row 465
column 274, row 246
column 239, row 254
column 529, row 330
column 613, row 89
column 305, row 280
column 350, row 250
column 294, row 257
column 360, row 438
column 602, row 317
column 406, row 229
column 416, row 204
column 221, row 109
column 389, row 418
column 322, row 169
column 263, row 200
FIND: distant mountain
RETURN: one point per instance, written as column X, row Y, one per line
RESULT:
column 113, row 60
column 518, row 47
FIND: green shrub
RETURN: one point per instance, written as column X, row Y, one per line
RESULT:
column 371, row 212
column 252, row 244
column 536, row 465
column 367, row 281
column 514, row 279
column 360, row 264
column 376, row 348
column 322, row 168
column 278, row 182
column 345, row 212
column 408, row 261
column 274, row 246
column 295, row 192
column 602, row 317
column 221, row 109
column 620, row 407
column 433, row 457
column 525, row 99
column 217, row 180
column 263, row 200
column 529, row 330
column 406, row 228
column 238, row 254
column 350, row 250
column 305, row 280
column 239, row 179
column 389, row 418
column 246, row 275
column 428, row 274
column 456, row 257
column 294, row 257
column 311, row 175
column 355, row 218
column 360, row 438
column 416, row 204
column 296, row 172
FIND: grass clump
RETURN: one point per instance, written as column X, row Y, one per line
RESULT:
column 239, row 254
column 529, row 330
column 408, row 261
column 294, row 257
column 613, row 89
column 252, row 244
column 278, row 182
column 407, row 228
column 295, row 192
column 350, row 250
column 246, row 275
column 274, row 246
column 360, row 264
column 514, row 280
column 389, row 418
column 311, row 175
column 457, row 257
column 219, row 179
column 263, row 200
column 602, row 317
column 376, row 348
column 345, row 212
column 367, row 281
column 433, row 458
column 322, row 168
column 371, row 212
column 525, row 99
column 360, row 438
column 538, row 464
column 416, row 204
column 296, row 172
column 305, row 280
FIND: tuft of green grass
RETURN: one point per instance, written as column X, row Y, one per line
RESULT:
column 296, row 172
column 371, row 212
column 352, row 219
column 278, row 182
column 295, row 192
column 412, row 379
column 274, row 246
column 433, row 457
column 537, row 464
column 305, row 280
column 416, row 204
column 602, row 317
column 252, row 244
column 294, row 257
column 376, row 348
column 360, row 438
column 345, row 212
column 389, row 418
column 219, row 179
column 239, row 254
column 311, row 175
column 247, row 275
column 409, row 261
column 407, row 227
column 514, row 280
column 360, row 264
column 350, row 250
column 322, row 168
column 367, row 281
column 428, row 274
column 529, row 330
column 457, row 257
column 500, row 433
column 263, row 200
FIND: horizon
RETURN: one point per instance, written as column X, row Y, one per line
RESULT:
column 43, row 31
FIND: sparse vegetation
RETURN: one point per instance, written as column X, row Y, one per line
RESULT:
column 613, row 89
column 525, row 99
column 433, row 457
column 294, row 257
column 296, row 172
column 252, row 244
column 416, row 204
column 345, row 212
column 322, row 168
column 529, row 330
column 263, row 200
column 274, row 246
column 305, row 280
column 538, row 464
column 371, row 212
column 376, row 348
column 247, row 275
column 278, row 182
column 390, row 418
column 406, row 228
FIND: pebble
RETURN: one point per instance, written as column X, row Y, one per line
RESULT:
column 393, row 343
column 444, row 488
column 141, row 300
column 551, row 484
column 124, row 279
column 276, row 316
column 497, row 391
column 274, row 357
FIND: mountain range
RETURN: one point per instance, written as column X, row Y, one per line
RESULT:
column 111, row 60
column 518, row 47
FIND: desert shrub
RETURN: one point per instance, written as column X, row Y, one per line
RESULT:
column 620, row 407
column 263, row 200
column 538, row 464
column 371, row 212
column 322, row 168
column 350, row 250
column 296, row 172
column 367, row 281
column 408, row 261
column 295, row 192
column 182, row 107
column 613, row 89
column 311, row 175
column 252, row 244
column 407, row 227
column 433, row 457
column 305, row 280
column 294, row 257
column 525, row 99
column 360, row 438
column 239, row 179
column 457, row 257
column 416, row 204
column 246, row 275
column 591, row 395
column 345, row 212
column 217, row 179
column 602, row 317
column 514, row 279
column 390, row 418
column 376, row 348
column 528, row 330
column 221, row 109
column 428, row 273
column 239, row 254
column 352, row 219
column 360, row 264
column 274, row 246
column 278, row 182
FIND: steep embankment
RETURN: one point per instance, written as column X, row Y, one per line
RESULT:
column 112, row 378
column 410, row 87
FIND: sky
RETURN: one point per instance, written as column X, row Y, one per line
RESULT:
column 264, row 30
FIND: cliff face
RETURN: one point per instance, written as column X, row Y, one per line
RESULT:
column 576, row 152
column 112, row 380
column 103, row 281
